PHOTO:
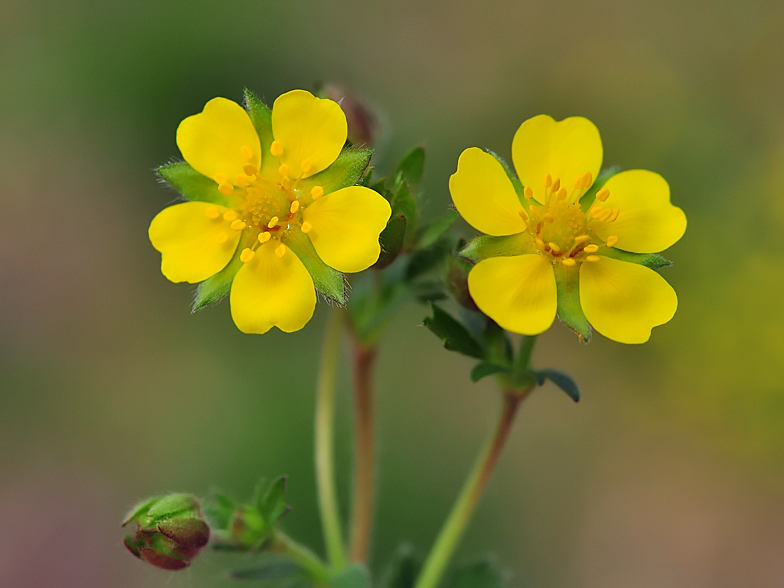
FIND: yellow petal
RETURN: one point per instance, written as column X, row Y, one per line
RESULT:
column 624, row 301
column 484, row 195
column 647, row 222
column 565, row 150
column 345, row 226
column 191, row 243
column 272, row 291
column 518, row 293
column 214, row 141
column 309, row 129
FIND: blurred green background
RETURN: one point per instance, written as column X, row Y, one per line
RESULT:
column 668, row 473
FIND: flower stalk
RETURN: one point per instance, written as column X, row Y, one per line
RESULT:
column 303, row 556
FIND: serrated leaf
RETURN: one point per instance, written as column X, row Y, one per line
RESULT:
column 481, row 574
column 355, row 576
column 191, row 184
column 486, row 246
column 412, row 166
column 391, row 241
column 403, row 570
column 604, row 175
column 330, row 282
column 347, row 170
column 274, row 505
column 560, row 379
column 216, row 287
column 653, row 261
column 436, row 231
column 484, row 369
column 570, row 312
column 454, row 335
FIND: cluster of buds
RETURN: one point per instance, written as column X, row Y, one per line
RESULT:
column 168, row 531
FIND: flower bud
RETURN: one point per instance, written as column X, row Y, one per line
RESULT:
column 457, row 280
column 362, row 121
column 168, row 531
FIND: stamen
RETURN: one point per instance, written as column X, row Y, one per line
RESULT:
column 247, row 255
column 226, row 189
column 221, row 238
column 582, row 238
column 591, row 248
column 230, row 216
column 247, row 152
column 306, row 165
column 284, row 170
column 264, row 237
column 614, row 216
column 612, row 241
column 556, row 184
column 238, row 225
column 540, row 244
column 554, row 247
column 587, row 180
column 280, row 251
column 317, row 192
column 241, row 180
column 285, row 183
column 306, row 226
column 273, row 222
column 523, row 215
column 220, row 178
column 568, row 262
column 294, row 207
column 250, row 169
column 561, row 195
column 547, row 217
column 528, row 192
column 603, row 194
column 276, row 149
column 606, row 215
column 597, row 211
column 592, row 258
column 548, row 181
column 212, row 212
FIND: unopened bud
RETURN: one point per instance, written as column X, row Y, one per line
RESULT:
column 167, row 531
column 457, row 280
column 362, row 121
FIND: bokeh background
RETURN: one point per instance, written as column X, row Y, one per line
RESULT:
column 668, row 473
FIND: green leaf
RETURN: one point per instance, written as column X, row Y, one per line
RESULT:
column 404, row 204
column 560, row 379
column 347, row 170
column 498, row 347
column 274, row 503
column 425, row 260
column 330, row 282
column 436, row 231
column 454, row 335
column 218, row 508
column 191, row 184
column 484, row 369
column 403, row 570
column 482, row 574
column 216, row 287
column 601, row 180
column 355, row 576
column 653, row 261
column 391, row 241
column 457, row 282
column 569, row 310
column 486, row 246
column 412, row 166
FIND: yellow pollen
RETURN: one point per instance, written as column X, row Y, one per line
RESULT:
column 294, row 207
column 556, row 184
column 285, row 183
column 614, row 215
column 591, row 248
column 603, row 194
column 212, row 212
column 592, row 258
column 528, row 192
column 306, row 165
column 587, row 180
column 581, row 238
column 241, row 180
column 597, row 211
column 247, row 152
column 264, row 237
column 226, row 189
column 547, row 217
column 250, row 169
column 554, row 247
column 229, row 216
column 273, row 222
column 548, row 181
column 284, row 170
column 247, row 255
column 568, row 262
column 276, row 149
column 306, row 226
column 221, row 178
column 280, row 250
column 612, row 241
column 221, row 238
column 238, row 225
column 317, row 192
column 561, row 195
column 606, row 215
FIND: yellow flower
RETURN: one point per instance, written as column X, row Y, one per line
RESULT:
column 557, row 246
column 265, row 217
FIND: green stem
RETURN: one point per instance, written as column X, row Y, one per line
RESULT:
column 325, row 439
column 524, row 355
column 458, row 519
column 309, row 561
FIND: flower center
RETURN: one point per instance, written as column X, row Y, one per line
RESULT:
column 562, row 231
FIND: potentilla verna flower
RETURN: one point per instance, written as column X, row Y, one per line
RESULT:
column 273, row 213
column 559, row 245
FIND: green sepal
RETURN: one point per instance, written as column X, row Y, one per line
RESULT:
column 484, row 369
column 486, row 246
column 391, row 241
column 403, row 570
column 355, row 576
column 261, row 117
column 218, row 508
column 328, row 281
column 481, row 574
column 216, row 287
column 273, row 504
column 569, row 309
column 457, row 282
column 454, row 335
column 347, row 170
column 604, row 175
column 652, row 261
column 516, row 183
column 191, row 184
column 412, row 166
column 437, row 230
column 172, row 505
column 140, row 509
column 560, row 379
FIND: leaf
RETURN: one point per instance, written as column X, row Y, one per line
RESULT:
column 330, row 282
column 484, row 369
column 219, row 509
column 653, row 261
column 454, row 335
column 273, row 567
column 191, row 184
column 403, row 570
column 485, row 246
column 457, row 282
column 482, row 574
column 569, row 309
column 425, row 260
column 355, row 576
column 604, row 175
column 347, row 170
column 216, row 287
column 498, row 347
column 403, row 204
column 412, row 166
column 436, row 231
column 560, row 379
column 274, row 502
column 391, row 241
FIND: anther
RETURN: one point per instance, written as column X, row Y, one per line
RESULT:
column 220, row 178
column 306, row 226
column 250, row 170
column 221, row 238
column 548, row 181
column 225, row 189
column 591, row 248
column 523, row 215
column 212, row 212
column 540, row 244
column 568, row 262
column 603, row 194
column 230, row 216
column 264, row 237
column 247, row 152
column 241, row 180
column 306, row 165
column 528, row 192
column 606, row 215
column 284, row 170
column 592, row 258
column 294, row 207
column 247, row 255
column 561, row 195
column 556, row 184
column 597, row 211
column 280, row 250
column 238, row 225
column 554, row 247
column 612, row 241
column 273, row 222
column 587, row 180
column 582, row 238
column 276, row 149
column 614, row 216
column 547, row 217
column 285, row 183
column 317, row 192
